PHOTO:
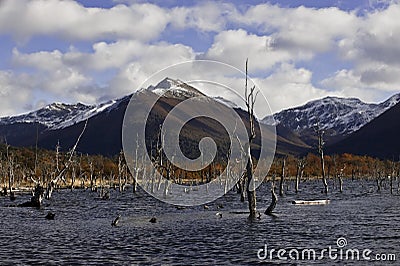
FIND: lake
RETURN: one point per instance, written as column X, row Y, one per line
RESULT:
column 81, row 233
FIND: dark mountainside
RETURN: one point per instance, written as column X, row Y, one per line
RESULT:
column 379, row 138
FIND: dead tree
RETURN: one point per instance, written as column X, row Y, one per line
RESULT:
column 10, row 164
column 92, row 176
column 58, row 156
column 340, row 177
column 164, row 167
column 137, row 169
column 282, row 181
column 301, row 164
column 392, row 175
column 272, row 206
column 250, row 99
column 38, row 194
column 73, row 172
column 378, row 176
column 120, row 171
column 320, row 147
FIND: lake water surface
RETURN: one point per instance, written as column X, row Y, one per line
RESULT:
column 81, row 233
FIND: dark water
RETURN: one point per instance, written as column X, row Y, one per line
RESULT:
column 81, row 233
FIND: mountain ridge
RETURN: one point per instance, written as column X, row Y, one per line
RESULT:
column 339, row 117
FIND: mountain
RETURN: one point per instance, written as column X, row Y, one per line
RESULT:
column 64, row 122
column 59, row 115
column 379, row 138
column 339, row 117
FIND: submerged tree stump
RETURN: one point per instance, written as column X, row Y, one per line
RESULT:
column 272, row 206
column 36, row 199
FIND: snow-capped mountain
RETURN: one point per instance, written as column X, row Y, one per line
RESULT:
column 178, row 89
column 60, row 115
column 341, row 116
column 174, row 89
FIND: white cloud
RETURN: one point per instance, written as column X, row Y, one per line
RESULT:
column 70, row 20
column 206, row 16
column 234, row 46
column 73, row 74
column 288, row 86
column 369, row 85
column 15, row 92
column 301, row 30
column 374, row 51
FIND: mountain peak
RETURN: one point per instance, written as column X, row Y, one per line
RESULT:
column 58, row 106
column 167, row 83
column 340, row 115
column 174, row 88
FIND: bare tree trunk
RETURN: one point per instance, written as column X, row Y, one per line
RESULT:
column 120, row 170
column 281, row 183
column 340, row 183
column 321, row 143
column 10, row 169
column 379, row 181
column 299, row 174
column 242, row 185
column 251, row 189
column 91, row 176
column 391, row 184
column 272, row 206
column 73, row 176
column 340, row 177
column 250, row 99
column 323, row 173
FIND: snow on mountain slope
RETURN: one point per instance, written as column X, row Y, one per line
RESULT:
column 174, row 88
column 60, row 115
column 341, row 115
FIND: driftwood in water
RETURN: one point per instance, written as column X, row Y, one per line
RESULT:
column 116, row 220
column 311, row 202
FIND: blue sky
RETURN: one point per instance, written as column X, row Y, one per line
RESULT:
column 92, row 51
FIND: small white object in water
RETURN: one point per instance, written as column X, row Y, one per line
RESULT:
column 311, row 202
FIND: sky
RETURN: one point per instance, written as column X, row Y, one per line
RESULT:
column 298, row 50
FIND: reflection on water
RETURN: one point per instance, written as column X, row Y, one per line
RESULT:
column 81, row 233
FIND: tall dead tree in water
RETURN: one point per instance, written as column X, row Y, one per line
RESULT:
column 250, row 99
column 301, row 164
column 39, row 193
column 10, row 166
column 340, row 176
column 272, row 206
column 320, row 147
column 120, row 171
column 282, row 181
